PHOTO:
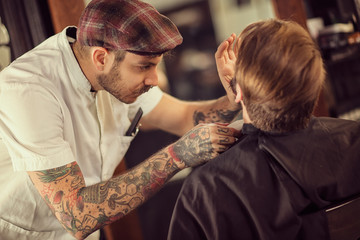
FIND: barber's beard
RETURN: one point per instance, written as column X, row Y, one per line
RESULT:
column 144, row 89
column 115, row 85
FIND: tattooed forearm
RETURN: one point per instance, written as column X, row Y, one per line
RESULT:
column 124, row 193
column 214, row 115
column 82, row 210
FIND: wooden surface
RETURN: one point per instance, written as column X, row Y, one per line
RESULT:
column 65, row 13
column 290, row 10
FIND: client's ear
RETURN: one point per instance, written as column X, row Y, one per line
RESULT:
column 238, row 96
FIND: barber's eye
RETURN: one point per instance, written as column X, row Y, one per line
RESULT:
column 145, row 67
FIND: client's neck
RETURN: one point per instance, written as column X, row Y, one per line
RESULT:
column 245, row 114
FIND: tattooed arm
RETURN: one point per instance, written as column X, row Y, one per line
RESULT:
column 83, row 209
column 178, row 117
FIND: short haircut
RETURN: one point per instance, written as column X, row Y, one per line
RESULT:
column 280, row 72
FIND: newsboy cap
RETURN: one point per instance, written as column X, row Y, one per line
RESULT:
column 130, row 25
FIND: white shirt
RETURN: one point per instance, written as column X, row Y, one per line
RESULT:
column 49, row 118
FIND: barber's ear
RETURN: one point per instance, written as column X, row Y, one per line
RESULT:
column 100, row 57
column 238, row 96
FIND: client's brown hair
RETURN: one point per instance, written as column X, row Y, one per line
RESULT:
column 280, row 72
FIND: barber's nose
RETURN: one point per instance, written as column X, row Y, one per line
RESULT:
column 152, row 79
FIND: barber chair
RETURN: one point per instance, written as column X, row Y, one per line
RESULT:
column 344, row 220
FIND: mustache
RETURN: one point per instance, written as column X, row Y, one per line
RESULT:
column 145, row 89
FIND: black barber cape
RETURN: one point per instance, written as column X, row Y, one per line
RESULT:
column 271, row 186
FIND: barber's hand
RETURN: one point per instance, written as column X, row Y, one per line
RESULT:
column 225, row 58
column 202, row 143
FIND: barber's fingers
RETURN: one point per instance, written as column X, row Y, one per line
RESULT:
column 237, row 46
column 225, row 50
column 221, row 49
column 223, row 143
column 223, row 129
column 222, row 137
column 231, row 47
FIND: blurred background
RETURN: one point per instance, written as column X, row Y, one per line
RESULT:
column 189, row 72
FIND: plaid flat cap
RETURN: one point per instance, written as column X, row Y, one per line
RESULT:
column 130, row 25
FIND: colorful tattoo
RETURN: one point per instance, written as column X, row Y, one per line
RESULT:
column 82, row 210
column 55, row 174
column 193, row 146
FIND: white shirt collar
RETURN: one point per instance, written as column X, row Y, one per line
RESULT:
column 78, row 78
